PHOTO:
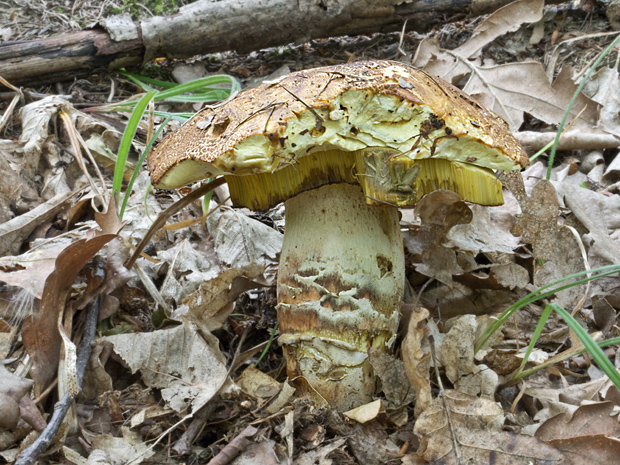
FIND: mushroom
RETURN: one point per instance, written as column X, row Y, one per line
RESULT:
column 344, row 147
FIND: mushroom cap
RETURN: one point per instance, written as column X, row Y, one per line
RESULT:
column 348, row 107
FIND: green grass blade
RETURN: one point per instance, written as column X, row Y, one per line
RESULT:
column 539, row 327
column 143, row 79
column 572, row 102
column 591, row 346
column 541, row 293
column 601, row 344
column 199, row 84
column 128, row 135
column 135, row 173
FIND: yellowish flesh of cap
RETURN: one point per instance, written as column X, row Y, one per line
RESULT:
column 386, row 177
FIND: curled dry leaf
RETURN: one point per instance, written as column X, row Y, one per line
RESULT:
column 417, row 358
column 15, row 231
column 40, row 332
column 12, row 389
column 367, row 412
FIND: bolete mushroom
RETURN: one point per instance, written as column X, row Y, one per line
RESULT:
column 344, row 147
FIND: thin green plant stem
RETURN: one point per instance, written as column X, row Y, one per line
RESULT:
column 146, row 198
column 135, row 173
column 572, row 103
column 128, row 135
column 591, row 346
column 541, row 293
column 525, row 373
column 537, row 332
column 269, row 342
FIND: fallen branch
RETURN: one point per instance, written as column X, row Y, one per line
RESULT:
column 571, row 140
column 210, row 26
column 29, row 455
column 168, row 212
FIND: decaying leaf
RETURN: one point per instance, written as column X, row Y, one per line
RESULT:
column 458, row 428
column 367, row 412
column 589, row 419
column 262, row 452
column 187, row 367
column 258, row 384
column 40, row 333
column 120, row 451
column 439, row 211
column 489, row 229
column 417, row 358
column 241, row 241
column 591, row 436
column 210, row 305
column 603, row 87
column 321, row 456
column 599, row 214
column 457, row 350
column 394, row 382
column 555, row 245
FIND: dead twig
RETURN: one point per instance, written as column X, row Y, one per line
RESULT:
column 173, row 209
column 234, row 448
column 29, row 455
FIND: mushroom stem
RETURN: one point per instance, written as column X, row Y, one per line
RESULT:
column 340, row 285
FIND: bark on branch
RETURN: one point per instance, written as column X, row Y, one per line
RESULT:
column 209, row 26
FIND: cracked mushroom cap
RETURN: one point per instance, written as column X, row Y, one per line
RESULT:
column 394, row 129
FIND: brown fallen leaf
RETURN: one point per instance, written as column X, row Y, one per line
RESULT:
column 12, row 389
column 554, row 244
column 594, row 449
column 458, row 428
column 321, row 455
column 457, row 350
column 394, row 382
column 15, row 231
column 417, row 358
column 40, row 332
column 588, row 420
column 439, row 211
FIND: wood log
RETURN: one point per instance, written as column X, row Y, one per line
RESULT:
column 209, row 26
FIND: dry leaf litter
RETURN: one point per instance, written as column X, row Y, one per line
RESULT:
column 174, row 375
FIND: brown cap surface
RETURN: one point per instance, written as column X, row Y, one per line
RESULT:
column 347, row 107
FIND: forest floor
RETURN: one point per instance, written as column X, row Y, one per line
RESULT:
column 185, row 366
